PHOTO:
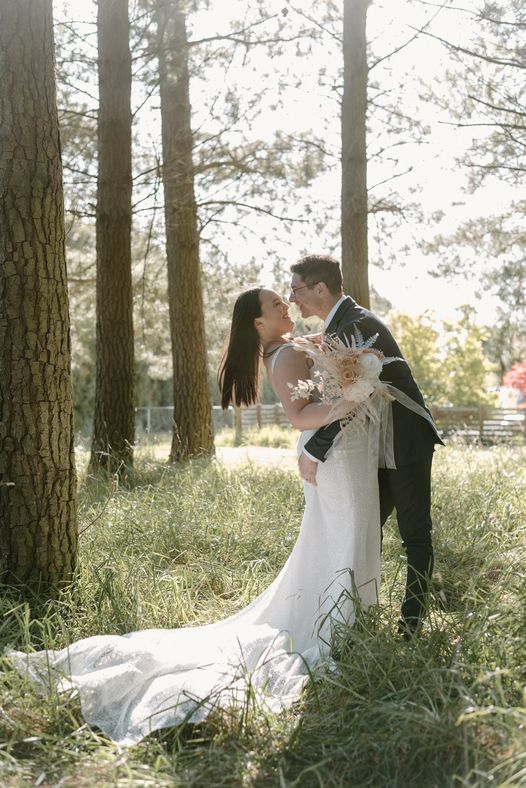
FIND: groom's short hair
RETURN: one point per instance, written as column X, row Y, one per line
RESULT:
column 314, row 268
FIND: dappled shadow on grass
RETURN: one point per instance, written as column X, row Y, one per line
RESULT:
column 30, row 622
column 407, row 714
column 192, row 543
column 386, row 718
column 98, row 486
column 186, row 544
column 392, row 713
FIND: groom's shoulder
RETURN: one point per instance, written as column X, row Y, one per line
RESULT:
column 356, row 313
column 369, row 324
column 369, row 317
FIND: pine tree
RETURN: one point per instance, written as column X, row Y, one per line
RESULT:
column 354, row 208
column 38, row 530
column 114, row 423
column 192, row 420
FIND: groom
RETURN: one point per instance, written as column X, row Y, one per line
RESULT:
column 316, row 287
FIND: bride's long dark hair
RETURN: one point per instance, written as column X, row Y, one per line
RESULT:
column 239, row 372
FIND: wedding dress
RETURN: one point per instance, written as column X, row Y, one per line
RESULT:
column 133, row 684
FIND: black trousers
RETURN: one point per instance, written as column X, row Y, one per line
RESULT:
column 408, row 490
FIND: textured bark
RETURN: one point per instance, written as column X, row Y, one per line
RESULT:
column 114, row 423
column 38, row 532
column 193, row 431
column 354, row 155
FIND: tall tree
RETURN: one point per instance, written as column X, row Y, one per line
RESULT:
column 38, row 530
column 377, row 121
column 192, row 418
column 114, row 423
column 237, row 175
column 354, row 153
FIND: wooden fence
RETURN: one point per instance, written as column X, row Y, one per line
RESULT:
column 482, row 425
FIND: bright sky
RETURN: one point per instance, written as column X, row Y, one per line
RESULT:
column 406, row 283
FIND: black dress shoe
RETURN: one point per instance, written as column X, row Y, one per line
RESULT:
column 408, row 629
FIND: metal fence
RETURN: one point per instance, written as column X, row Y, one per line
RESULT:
column 483, row 424
column 151, row 420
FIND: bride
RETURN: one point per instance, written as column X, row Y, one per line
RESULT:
column 134, row 684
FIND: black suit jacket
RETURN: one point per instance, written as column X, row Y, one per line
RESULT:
column 414, row 437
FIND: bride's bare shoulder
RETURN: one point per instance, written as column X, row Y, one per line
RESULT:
column 288, row 362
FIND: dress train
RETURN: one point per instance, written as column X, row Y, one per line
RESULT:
column 134, row 684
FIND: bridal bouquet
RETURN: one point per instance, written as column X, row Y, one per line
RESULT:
column 345, row 371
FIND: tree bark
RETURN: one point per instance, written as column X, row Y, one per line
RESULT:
column 192, row 428
column 354, row 154
column 114, row 422
column 38, row 530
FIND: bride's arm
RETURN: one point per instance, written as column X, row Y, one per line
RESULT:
column 303, row 414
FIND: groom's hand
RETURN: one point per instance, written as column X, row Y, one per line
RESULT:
column 308, row 468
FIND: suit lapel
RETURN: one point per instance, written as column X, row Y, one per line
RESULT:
column 343, row 314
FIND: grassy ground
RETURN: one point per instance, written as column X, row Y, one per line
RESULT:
column 270, row 436
column 194, row 543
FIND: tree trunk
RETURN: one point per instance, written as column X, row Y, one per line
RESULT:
column 38, row 530
column 114, row 423
column 192, row 429
column 354, row 156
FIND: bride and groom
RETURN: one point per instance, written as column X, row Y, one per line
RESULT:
column 133, row 684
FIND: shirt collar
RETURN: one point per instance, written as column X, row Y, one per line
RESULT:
column 333, row 311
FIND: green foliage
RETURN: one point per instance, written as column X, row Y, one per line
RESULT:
column 498, row 242
column 449, row 365
column 194, row 543
column 465, row 366
column 418, row 341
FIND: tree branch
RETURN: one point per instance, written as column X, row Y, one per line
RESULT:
column 234, row 35
column 257, row 208
column 479, row 55
column 410, row 41
column 88, row 115
column 317, row 24
column 491, row 125
column 477, row 14
column 494, row 167
column 391, row 178
column 495, row 107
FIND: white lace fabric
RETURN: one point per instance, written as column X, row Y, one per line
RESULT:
column 134, row 684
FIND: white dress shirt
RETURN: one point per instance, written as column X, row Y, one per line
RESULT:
column 333, row 311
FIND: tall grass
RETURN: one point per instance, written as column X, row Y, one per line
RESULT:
column 194, row 543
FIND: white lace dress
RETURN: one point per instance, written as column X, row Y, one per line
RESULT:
column 133, row 684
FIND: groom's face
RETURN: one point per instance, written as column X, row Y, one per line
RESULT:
column 305, row 296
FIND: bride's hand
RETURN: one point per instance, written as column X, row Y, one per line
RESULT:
column 314, row 338
column 307, row 468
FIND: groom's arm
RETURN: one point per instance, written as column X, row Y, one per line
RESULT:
column 321, row 442
column 318, row 446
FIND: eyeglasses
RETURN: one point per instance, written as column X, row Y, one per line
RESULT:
column 294, row 290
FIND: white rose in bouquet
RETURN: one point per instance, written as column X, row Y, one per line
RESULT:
column 370, row 365
column 358, row 391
